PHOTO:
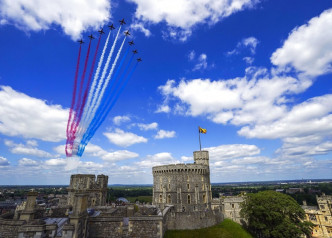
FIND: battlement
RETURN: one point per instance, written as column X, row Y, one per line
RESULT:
column 88, row 181
column 201, row 157
column 180, row 168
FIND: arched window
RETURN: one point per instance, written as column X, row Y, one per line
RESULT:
column 169, row 186
column 169, row 199
column 189, row 199
column 188, row 186
column 204, row 198
column 160, row 198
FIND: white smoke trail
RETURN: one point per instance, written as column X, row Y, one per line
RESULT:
column 101, row 80
column 92, row 89
column 101, row 95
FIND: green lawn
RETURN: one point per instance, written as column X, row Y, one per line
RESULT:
column 226, row 229
column 140, row 199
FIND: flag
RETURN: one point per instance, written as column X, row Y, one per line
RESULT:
column 201, row 130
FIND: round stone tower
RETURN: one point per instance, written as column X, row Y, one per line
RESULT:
column 186, row 186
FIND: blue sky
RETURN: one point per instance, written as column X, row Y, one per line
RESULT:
column 255, row 74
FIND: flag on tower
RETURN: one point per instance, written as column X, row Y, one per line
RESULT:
column 201, row 130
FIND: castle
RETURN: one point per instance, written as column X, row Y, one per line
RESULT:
column 181, row 200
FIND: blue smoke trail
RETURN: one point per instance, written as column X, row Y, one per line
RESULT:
column 105, row 101
column 110, row 106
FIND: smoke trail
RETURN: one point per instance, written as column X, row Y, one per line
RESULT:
column 101, row 80
column 86, row 90
column 105, row 113
column 94, row 82
column 73, row 98
column 101, row 95
column 78, row 104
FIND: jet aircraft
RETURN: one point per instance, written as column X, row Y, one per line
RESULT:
column 127, row 33
column 135, row 51
column 131, row 42
column 81, row 41
column 91, row 37
column 122, row 22
column 139, row 60
column 101, row 31
column 111, row 27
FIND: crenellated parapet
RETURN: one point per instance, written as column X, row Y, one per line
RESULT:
column 181, row 168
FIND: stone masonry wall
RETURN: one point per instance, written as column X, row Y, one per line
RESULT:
column 9, row 228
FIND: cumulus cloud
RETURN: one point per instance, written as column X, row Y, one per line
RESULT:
column 28, row 117
column 72, row 16
column 256, row 97
column 28, row 149
column 223, row 152
column 163, row 108
column 308, row 48
column 124, row 139
column 311, row 117
column 118, row 120
column 97, row 151
column 157, row 159
column 185, row 14
column 28, row 162
column 139, row 26
column 3, row 161
column 161, row 134
column 146, row 127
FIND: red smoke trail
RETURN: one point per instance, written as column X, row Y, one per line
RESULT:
column 86, row 90
column 78, row 105
column 73, row 98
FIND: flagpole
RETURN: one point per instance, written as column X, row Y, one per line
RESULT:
column 199, row 137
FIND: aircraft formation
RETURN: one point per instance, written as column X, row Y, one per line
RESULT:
column 95, row 95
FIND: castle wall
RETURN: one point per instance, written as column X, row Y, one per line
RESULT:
column 9, row 228
column 115, row 227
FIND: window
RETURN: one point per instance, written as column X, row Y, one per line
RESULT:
column 189, row 199
column 160, row 198
column 204, row 198
column 312, row 217
column 203, row 186
column 322, row 206
column 169, row 186
column 169, row 200
column 232, row 205
column 161, row 187
column 188, row 186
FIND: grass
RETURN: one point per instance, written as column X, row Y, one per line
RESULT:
column 226, row 229
column 145, row 199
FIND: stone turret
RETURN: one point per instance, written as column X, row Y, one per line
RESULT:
column 29, row 210
column 201, row 157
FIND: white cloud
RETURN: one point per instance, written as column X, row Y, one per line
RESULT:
column 223, row 152
column 72, row 16
column 202, row 63
column 139, row 26
column 308, row 48
column 157, row 159
column 3, row 161
column 191, row 55
column 118, row 120
column 28, row 162
column 256, row 97
column 161, row 134
column 22, row 115
column 187, row 159
column 28, row 149
column 185, row 14
column 124, row 139
column 163, row 108
column 249, row 43
column 119, row 155
column 248, row 60
column 146, row 127
column 97, row 151
column 309, row 118
column 55, row 162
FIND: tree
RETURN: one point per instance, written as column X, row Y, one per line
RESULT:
column 271, row 214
